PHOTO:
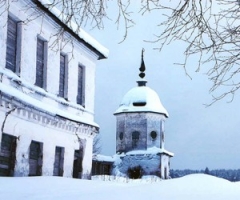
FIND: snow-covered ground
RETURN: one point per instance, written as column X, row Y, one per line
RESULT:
column 191, row 187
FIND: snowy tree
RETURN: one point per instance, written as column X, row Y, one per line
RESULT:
column 206, row 171
column 209, row 29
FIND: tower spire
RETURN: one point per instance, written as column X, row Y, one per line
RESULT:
column 142, row 67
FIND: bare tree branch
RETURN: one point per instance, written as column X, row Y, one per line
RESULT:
column 213, row 36
column 97, row 146
column 209, row 29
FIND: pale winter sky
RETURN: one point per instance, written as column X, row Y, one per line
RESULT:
column 199, row 137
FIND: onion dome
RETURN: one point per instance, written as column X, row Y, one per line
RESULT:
column 141, row 98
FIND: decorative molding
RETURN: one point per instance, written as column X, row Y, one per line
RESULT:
column 29, row 113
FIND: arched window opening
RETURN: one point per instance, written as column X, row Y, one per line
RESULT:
column 135, row 139
column 121, row 136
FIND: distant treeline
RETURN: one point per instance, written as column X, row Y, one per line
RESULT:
column 229, row 174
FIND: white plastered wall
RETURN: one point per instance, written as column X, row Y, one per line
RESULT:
column 27, row 131
column 165, row 165
column 77, row 54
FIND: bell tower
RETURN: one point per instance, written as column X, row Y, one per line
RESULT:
column 140, row 130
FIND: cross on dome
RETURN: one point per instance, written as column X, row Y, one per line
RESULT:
column 142, row 67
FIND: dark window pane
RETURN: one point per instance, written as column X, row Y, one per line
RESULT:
column 11, row 44
column 62, row 75
column 80, row 95
column 40, row 63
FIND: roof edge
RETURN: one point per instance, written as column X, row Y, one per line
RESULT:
column 116, row 113
column 81, row 36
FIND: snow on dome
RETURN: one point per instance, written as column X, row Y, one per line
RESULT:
column 141, row 99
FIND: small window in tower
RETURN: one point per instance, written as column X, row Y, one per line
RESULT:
column 153, row 135
column 121, row 136
column 135, row 139
column 139, row 103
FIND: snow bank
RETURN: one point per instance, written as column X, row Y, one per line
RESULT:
column 121, row 179
column 194, row 187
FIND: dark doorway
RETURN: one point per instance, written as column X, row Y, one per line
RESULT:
column 35, row 158
column 7, row 155
column 77, row 164
column 59, row 160
column 135, row 172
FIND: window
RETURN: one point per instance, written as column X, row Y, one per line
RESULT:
column 139, row 104
column 153, row 135
column 63, row 76
column 13, row 45
column 35, row 158
column 121, row 136
column 135, row 139
column 77, row 164
column 41, row 63
column 80, row 92
column 59, row 160
column 7, row 155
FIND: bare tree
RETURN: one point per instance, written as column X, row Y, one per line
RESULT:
column 210, row 29
column 97, row 146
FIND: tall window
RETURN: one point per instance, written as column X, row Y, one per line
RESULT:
column 41, row 63
column 7, row 155
column 13, row 45
column 80, row 93
column 63, row 76
column 135, row 139
column 35, row 158
column 59, row 160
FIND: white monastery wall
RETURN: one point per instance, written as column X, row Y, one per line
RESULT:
column 46, row 29
column 31, row 113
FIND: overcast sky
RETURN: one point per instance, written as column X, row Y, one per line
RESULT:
column 198, row 136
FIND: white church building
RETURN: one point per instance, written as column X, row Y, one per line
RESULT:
column 140, row 132
column 47, row 83
column 140, row 149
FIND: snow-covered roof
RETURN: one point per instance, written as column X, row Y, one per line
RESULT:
column 151, row 150
column 103, row 158
column 74, row 27
column 141, row 99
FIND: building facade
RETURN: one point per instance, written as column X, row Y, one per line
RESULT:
column 140, row 133
column 47, row 74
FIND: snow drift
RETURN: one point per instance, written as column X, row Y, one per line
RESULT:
column 194, row 187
